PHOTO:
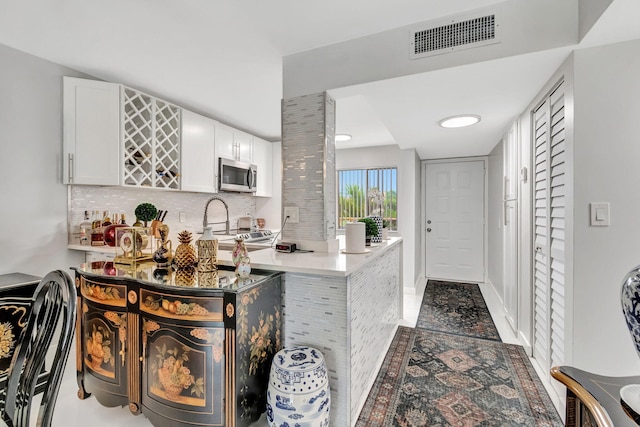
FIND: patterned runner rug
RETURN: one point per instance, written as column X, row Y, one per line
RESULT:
column 434, row 379
column 456, row 308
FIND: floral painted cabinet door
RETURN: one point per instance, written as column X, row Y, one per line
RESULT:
column 103, row 338
column 253, row 321
column 182, row 358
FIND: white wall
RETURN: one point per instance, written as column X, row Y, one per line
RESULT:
column 33, row 229
column 386, row 54
column 494, row 219
column 409, row 196
column 607, row 149
column 589, row 12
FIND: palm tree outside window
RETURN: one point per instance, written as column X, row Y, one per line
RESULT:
column 366, row 192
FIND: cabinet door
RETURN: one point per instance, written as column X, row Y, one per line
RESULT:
column 263, row 158
column 183, row 362
column 225, row 143
column 102, row 343
column 91, row 132
column 244, row 146
column 198, row 153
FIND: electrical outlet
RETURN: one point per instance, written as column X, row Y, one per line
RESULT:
column 293, row 212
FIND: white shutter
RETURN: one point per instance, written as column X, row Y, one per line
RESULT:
column 549, row 230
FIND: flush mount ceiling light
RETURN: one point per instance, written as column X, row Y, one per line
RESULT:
column 342, row 137
column 459, row 121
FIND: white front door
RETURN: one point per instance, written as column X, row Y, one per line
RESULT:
column 455, row 220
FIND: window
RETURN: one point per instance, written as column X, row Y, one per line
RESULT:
column 365, row 192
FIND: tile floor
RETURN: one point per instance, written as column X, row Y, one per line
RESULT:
column 72, row 412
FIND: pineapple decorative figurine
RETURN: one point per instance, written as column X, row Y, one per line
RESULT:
column 185, row 254
column 185, row 277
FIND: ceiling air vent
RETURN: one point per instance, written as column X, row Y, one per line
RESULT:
column 451, row 34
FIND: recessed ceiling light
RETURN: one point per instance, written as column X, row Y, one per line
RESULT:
column 341, row 137
column 459, row 121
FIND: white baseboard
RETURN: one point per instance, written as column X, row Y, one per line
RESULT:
column 417, row 288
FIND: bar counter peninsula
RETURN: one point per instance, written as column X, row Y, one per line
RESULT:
column 185, row 353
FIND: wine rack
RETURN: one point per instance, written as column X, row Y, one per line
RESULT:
column 151, row 137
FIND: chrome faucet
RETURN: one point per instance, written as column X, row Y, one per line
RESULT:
column 205, row 220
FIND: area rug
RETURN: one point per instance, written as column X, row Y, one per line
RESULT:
column 434, row 379
column 456, row 308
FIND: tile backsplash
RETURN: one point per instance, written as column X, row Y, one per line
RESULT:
column 124, row 200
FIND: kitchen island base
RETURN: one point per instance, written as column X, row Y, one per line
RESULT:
column 352, row 320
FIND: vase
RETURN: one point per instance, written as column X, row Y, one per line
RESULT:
column 630, row 300
column 239, row 250
column 162, row 255
column 377, row 238
column 243, row 270
column 207, row 246
column 385, row 233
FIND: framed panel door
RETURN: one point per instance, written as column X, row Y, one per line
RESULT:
column 455, row 220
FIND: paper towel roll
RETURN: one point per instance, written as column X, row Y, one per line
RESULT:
column 354, row 237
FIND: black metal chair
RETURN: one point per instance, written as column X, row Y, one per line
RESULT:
column 54, row 301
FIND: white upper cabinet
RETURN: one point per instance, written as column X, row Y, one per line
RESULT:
column 115, row 135
column 91, row 132
column 263, row 158
column 244, row 146
column 198, row 153
column 233, row 144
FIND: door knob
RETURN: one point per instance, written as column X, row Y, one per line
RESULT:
column 428, row 221
column 428, row 230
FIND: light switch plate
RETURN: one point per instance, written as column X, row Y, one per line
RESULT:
column 600, row 214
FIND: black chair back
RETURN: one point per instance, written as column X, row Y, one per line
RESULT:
column 53, row 300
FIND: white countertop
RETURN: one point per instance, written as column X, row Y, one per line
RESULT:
column 328, row 264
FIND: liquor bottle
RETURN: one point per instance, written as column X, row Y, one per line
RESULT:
column 110, row 232
column 85, row 230
column 106, row 219
column 97, row 232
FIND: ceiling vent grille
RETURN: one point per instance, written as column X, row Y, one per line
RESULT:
column 451, row 34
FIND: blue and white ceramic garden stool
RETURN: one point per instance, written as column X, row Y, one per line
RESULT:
column 298, row 391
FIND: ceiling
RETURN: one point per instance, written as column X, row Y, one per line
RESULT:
column 223, row 59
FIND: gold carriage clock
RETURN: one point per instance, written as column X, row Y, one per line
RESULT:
column 133, row 244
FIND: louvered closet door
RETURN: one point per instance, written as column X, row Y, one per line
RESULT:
column 549, row 230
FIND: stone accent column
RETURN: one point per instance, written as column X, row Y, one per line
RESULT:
column 309, row 172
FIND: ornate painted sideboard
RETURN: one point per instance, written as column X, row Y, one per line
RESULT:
column 175, row 349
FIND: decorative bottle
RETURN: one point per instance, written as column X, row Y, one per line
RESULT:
column 85, row 229
column 162, row 255
column 97, row 232
column 110, row 231
column 207, row 246
column 239, row 251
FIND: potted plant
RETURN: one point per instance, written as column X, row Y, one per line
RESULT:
column 145, row 212
column 371, row 229
column 385, row 229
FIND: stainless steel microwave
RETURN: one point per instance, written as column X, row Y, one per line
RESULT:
column 236, row 176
